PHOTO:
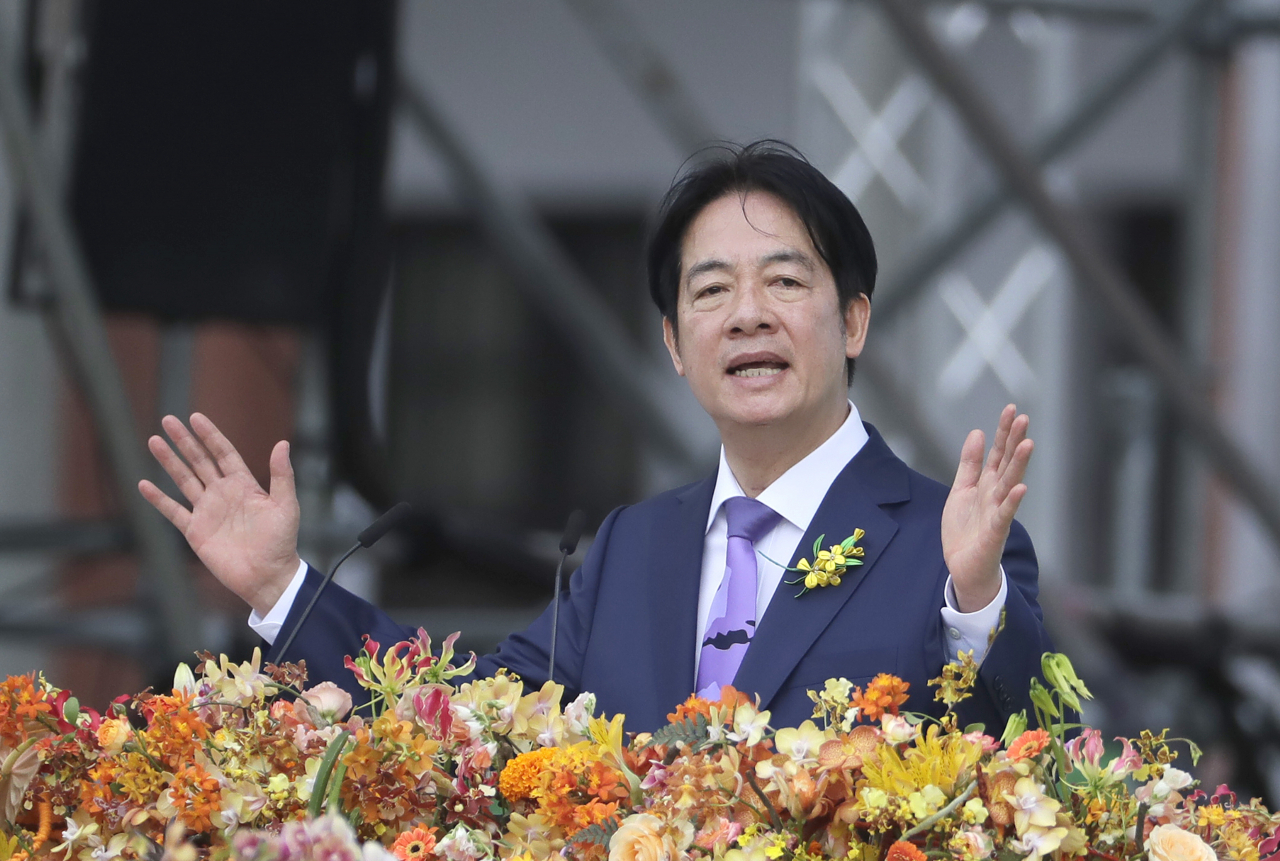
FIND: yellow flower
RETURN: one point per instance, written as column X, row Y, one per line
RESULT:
column 1031, row 807
column 974, row 811
column 800, row 744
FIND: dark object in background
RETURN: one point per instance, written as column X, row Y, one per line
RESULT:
column 228, row 156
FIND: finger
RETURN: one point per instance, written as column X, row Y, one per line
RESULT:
column 970, row 460
column 1002, row 436
column 176, row 468
column 1009, row 507
column 191, row 449
column 282, row 487
column 229, row 460
column 172, row 511
column 1016, row 470
column 1017, row 433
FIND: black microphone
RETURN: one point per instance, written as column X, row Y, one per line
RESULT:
column 397, row 516
column 568, row 543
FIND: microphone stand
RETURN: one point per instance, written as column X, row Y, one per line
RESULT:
column 568, row 543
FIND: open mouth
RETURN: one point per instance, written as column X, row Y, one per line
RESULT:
column 758, row 369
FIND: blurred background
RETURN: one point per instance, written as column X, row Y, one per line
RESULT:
column 409, row 238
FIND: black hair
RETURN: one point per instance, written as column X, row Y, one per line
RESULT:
column 836, row 229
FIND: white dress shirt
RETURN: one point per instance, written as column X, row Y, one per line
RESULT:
column 795, row 495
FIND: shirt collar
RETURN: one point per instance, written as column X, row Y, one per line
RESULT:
column 797, row 493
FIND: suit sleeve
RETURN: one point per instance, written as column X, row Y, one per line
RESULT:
column 528, row 652
column 339, row 621
column 1003, row 686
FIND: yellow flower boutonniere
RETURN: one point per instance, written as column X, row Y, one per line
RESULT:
column 828, row 566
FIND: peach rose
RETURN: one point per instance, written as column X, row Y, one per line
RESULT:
column 1171, row 843
column 112, row 734
column 643, row 838
column 328, row 704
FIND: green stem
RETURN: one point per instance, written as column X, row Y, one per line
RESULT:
column 774, row 818
column 1138, row 829
column 13, row 757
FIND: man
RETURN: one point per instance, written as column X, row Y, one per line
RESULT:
column 763, row 272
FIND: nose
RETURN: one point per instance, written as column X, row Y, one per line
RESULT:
column 752, row 312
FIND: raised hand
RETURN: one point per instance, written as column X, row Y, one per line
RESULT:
column 980, row 509
column 247, row 537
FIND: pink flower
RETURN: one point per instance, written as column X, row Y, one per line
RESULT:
column 1086, row 748
column 329, row 701
column 431, row 704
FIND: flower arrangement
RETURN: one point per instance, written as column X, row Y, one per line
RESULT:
column 829, row 565
column 243, row 762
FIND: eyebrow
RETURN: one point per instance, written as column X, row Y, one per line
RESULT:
column 714, row 265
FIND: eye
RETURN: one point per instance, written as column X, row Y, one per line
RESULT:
column 709, row 290
column 786, row 281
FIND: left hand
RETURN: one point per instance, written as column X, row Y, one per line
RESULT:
column 981, row 507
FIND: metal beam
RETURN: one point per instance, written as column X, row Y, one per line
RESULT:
column 73, row 537
column 937, row 249
column 1110, row 12
column 76, row 311
column 552, row 280
column 1182, row 387
column 643, row 68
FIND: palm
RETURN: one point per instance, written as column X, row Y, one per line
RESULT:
column 980, row 509
column 245, row 536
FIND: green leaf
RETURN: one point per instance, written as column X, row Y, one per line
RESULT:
column 817, row 545
column 321, row 786
column 977, row 727
column 599, row 834
column 1196, row 753
column 71, row 710
column 688, row 731
column 334, row 801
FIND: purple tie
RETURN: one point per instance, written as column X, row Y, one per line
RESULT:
column 732, row 620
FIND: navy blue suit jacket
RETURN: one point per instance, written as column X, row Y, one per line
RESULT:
column 628, row 622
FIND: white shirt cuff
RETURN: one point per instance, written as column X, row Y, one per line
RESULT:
column 268, row 627
column 965, row 631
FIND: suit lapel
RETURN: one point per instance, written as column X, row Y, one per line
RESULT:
column 677, row 541
column 790, row 625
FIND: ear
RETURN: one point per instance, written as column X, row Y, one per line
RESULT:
column 673, row 346
column 857, row 317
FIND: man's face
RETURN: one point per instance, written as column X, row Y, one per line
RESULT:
column 761, row 337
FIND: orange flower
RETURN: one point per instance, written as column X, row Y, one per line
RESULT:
column 415, row 844
column 883, row 696
column 1029, row 744
column 904, row 851
column 520, row 775
column 690, row 708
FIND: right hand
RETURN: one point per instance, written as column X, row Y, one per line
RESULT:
column 247, row 537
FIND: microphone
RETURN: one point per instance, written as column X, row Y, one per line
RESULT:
column 396, row 517
column 568, row 543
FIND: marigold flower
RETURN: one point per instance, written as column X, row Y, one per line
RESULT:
column 415, row 844
column 904, row 851
column 520, row 775
column 884, row 694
